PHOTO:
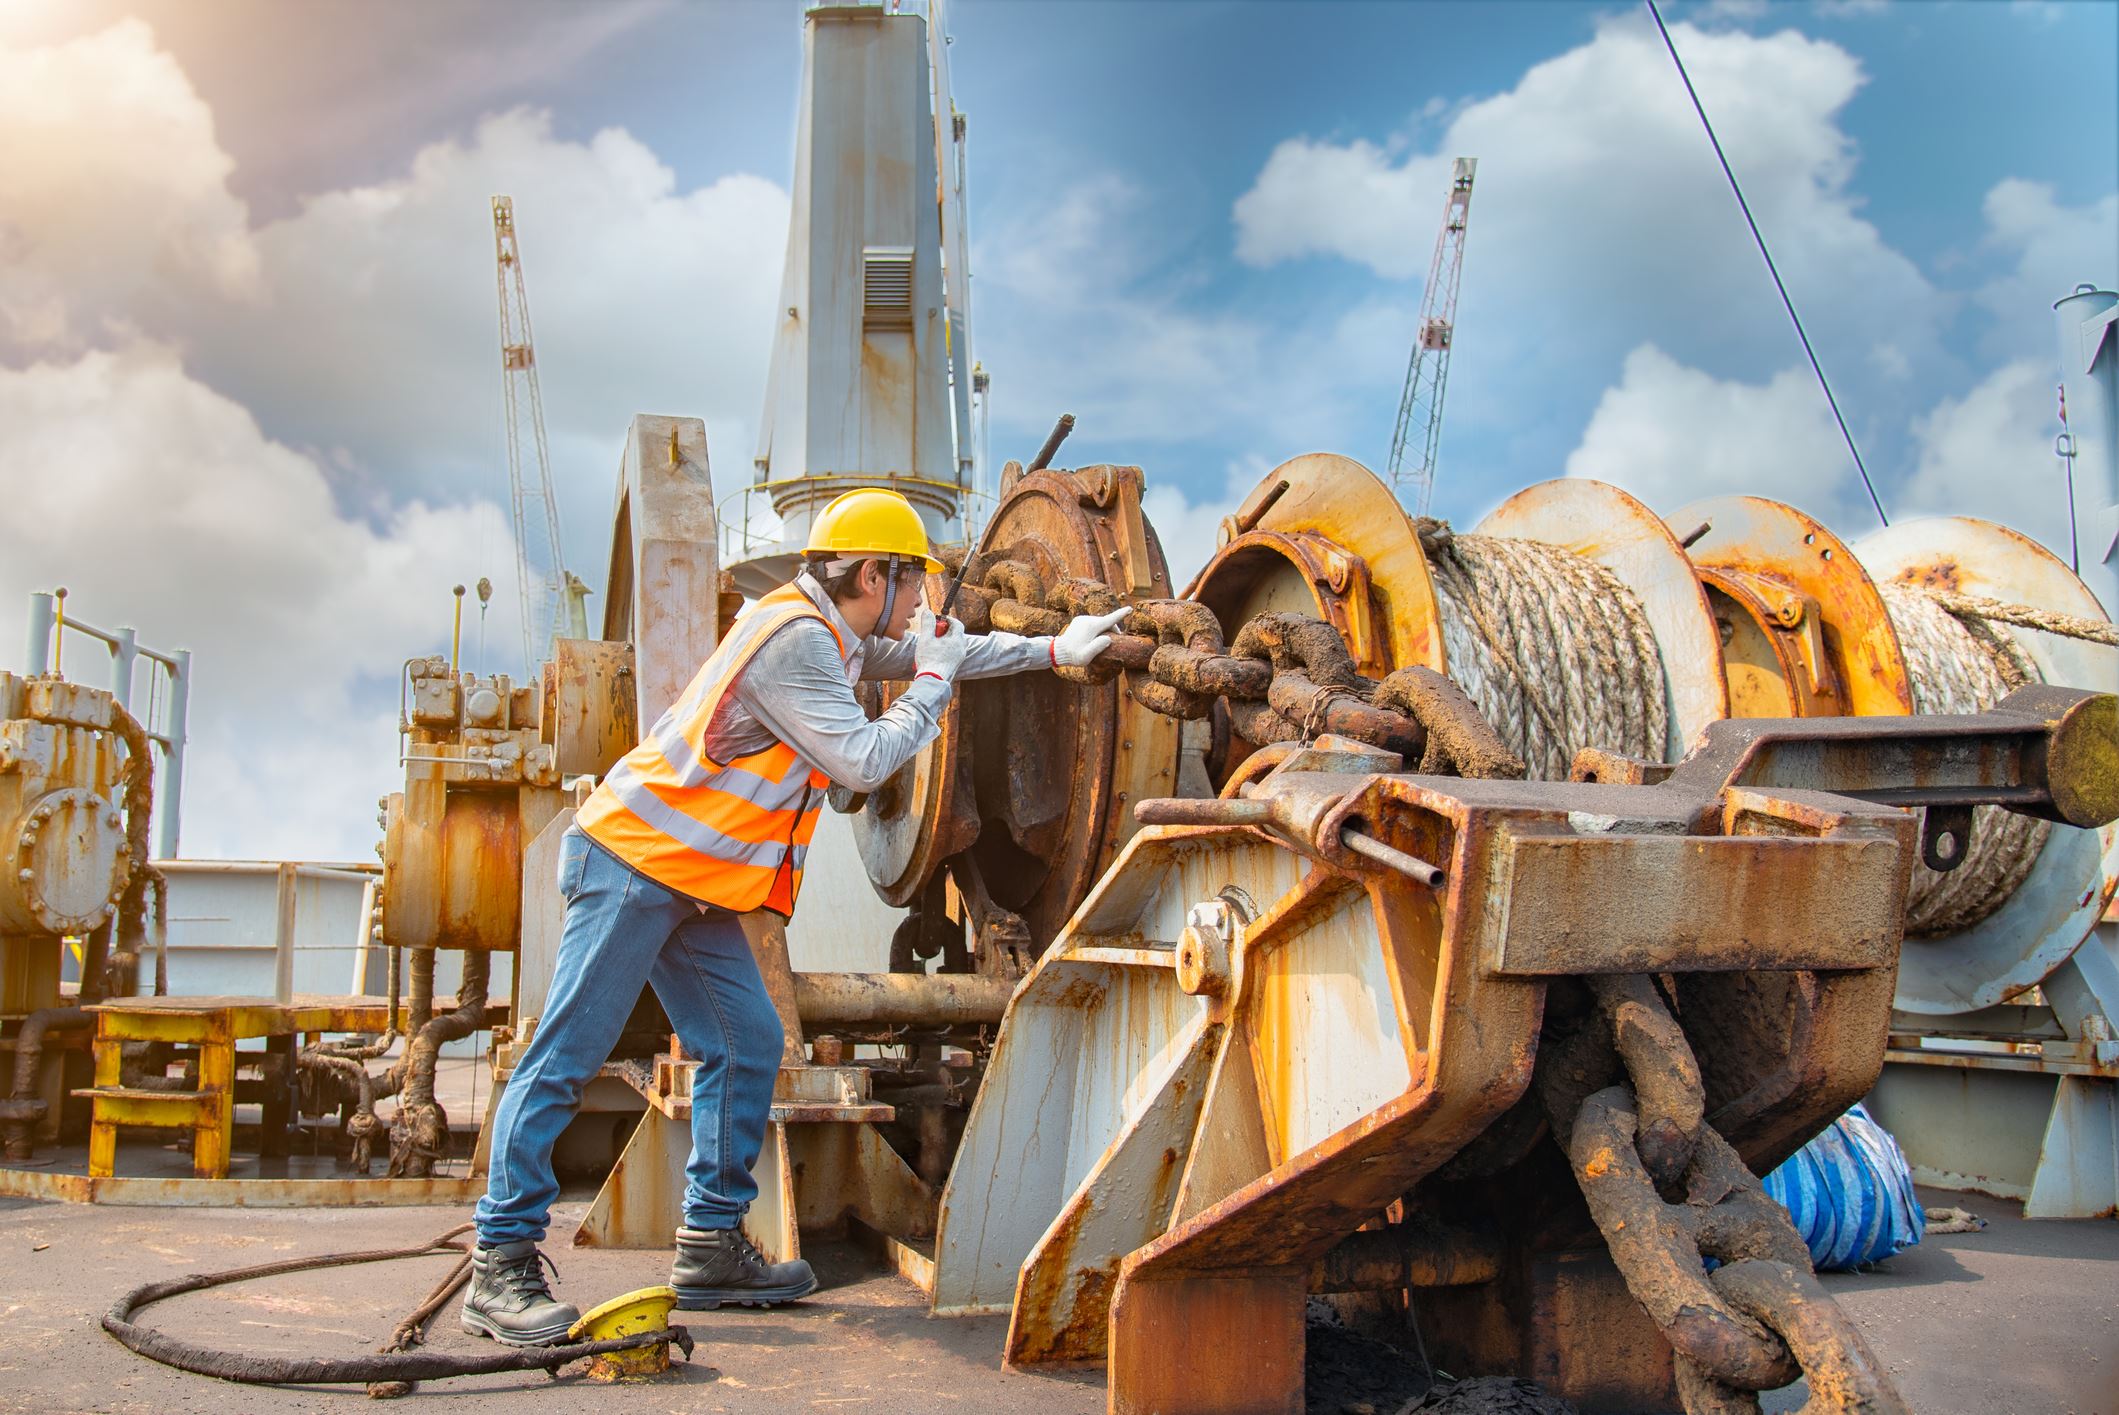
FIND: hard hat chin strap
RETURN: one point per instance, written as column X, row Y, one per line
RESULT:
column 890, row 595
column 890, row 582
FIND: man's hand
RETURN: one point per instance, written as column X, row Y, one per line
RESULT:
column 938, row 646
column 1085, row 636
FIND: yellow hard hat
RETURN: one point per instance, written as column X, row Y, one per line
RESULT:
column 871, row 521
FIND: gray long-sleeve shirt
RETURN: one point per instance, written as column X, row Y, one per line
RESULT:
column 798, row 689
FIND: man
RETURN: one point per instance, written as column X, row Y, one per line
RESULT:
column 707, row 819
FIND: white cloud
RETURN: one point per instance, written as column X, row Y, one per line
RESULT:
column 1355, row 200
column 1190, row 530
column 644, row 299
column 363, row 329
column 1672, row 434
column 279, row 445
column 113, row 191
column 1990, row 454
column 1084, row 304
column 2056, row 248
column 160, row 505
column 1600, row 218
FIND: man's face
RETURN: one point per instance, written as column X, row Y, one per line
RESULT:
column 907, row 602
column 874, row 584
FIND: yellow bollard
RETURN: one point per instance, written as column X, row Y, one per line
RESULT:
column 645, row 1310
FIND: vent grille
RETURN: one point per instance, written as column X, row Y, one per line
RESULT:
column 886, row 285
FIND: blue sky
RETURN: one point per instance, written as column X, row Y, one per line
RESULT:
column 245, row 281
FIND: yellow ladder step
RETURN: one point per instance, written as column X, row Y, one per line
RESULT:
column 128, row 1105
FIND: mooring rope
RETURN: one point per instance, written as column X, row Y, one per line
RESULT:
column 2001, row 611
column 1554, row 648
column 1960, row 665
column 389, row 1372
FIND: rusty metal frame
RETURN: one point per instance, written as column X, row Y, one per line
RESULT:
column 1153, row 1177
column 1805, row 593
column 2074, row 881
column 1321, row 501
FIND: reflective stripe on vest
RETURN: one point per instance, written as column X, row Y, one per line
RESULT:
column 733, row 834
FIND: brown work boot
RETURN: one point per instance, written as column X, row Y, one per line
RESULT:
column 510, row 1301
column 717, row 1265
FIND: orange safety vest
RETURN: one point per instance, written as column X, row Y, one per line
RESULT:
column 735, row 833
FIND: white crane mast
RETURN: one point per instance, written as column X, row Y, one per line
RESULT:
column 539, row 565
column 1427, row 372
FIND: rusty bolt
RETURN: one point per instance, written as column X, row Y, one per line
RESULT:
column 1203, row 949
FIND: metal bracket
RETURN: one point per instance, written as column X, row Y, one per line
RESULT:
column 1945, row 837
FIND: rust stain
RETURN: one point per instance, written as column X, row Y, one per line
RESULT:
column 1940, row 574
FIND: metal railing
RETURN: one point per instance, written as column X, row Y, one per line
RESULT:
column 48, row 621
column 749, row 525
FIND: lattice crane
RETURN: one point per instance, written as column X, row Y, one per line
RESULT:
column 540, row 573
column 1427, row 373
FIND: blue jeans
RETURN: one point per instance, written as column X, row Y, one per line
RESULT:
column 623, row 928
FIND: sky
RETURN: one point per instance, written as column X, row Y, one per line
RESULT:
column 250, row 400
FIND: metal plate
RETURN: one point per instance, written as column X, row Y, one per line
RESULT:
column 1348, row 505
column 2068, row 888
column 1752, row 535
column 1048, row 796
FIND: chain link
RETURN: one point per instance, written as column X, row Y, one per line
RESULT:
column 1287, row 677
column 1624, row 1096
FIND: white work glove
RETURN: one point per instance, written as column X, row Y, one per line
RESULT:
column 1085, row 636
column 940, row 654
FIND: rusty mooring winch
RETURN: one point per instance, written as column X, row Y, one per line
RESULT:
column 1314, row 1034
column 1402, row 915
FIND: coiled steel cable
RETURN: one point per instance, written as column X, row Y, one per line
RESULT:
column 1955, row 666
column 1554, row 648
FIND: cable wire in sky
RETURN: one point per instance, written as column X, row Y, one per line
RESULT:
column 1771, row 268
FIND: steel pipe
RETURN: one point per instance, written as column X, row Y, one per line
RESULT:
column 1175, row 810
column 900, row 999
column 1412, row 866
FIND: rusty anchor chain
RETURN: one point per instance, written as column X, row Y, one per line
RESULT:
column 1285, row 678
column 1759, row 1320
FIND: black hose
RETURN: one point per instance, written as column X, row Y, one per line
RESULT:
column 407, row 1366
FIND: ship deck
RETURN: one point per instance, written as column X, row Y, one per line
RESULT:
column 2019, row 1318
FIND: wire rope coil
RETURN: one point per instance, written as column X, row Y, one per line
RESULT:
column 1963, row 665
column 1556, row 649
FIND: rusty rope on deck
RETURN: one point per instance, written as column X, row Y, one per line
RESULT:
column 388, row 1368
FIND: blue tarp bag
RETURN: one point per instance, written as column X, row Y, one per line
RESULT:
column 1850, row 1193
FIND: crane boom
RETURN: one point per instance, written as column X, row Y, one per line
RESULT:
column 1427, row 371
column 539, row 565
